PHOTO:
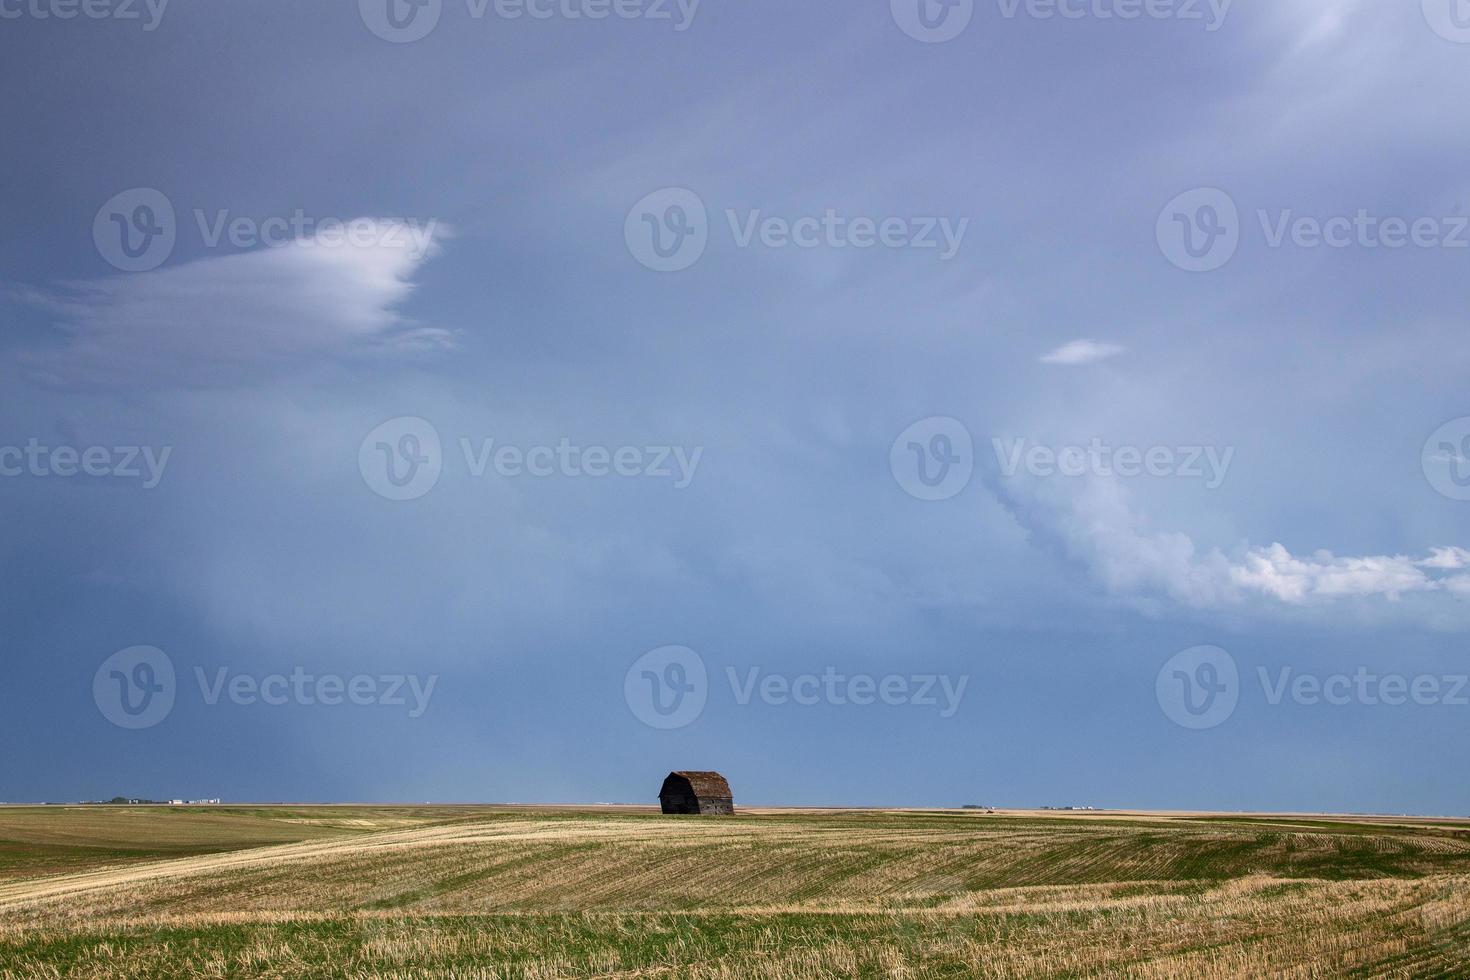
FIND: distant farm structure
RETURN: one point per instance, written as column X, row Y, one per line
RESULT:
column 696, row 792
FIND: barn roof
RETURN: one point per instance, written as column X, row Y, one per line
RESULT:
column 704, row 783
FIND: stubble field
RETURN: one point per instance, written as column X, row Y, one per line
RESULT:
column 419, row 892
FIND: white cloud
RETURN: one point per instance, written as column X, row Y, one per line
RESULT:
column 1276, row 573
column 1081, row 352
column 1097, row 529
column 1448, row 559
column 222, row 319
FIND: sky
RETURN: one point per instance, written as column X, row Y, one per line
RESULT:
column 902, row 403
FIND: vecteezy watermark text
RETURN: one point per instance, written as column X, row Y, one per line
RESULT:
column 1200, row 688
column 137, row 688
column 934, row 459
column 1211, row 13
column 1364, row 686
column 1201, row 230
column 936, row 21
column 405, row 21
column 136, row 230
column 302, row 688
column 1363, row 230
column 1098, row 458
column 143, row 463
column 311, row 231
column 403, row 459
column 567, row 459
column 831, row 687
column 833, row 230
column 668, row 688
column 669, row 230
column 149, row 12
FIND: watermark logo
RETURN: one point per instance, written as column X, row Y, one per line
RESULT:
column 1446, row 459
column 933, row 21
column 1450, row 19
column 667, row 688
column 400, row 21
column 1199, row 688
column 668, row 230
column 135, row 688
column 135, row 230
column 1199, row 231
column 401, row 459
column 933, row 459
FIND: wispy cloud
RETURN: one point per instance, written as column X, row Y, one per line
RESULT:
column 224, row 319
column 1081, row 352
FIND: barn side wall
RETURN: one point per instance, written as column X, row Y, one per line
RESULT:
column 717, row 805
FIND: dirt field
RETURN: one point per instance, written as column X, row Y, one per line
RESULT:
column 495, row 892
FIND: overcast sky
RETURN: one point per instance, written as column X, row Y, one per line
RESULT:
column 933, row 380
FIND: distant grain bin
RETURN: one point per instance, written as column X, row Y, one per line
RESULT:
column 696, row 792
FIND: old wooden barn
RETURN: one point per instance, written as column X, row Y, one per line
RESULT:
column 696, row 792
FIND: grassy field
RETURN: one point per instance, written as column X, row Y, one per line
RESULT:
column 418, row 892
